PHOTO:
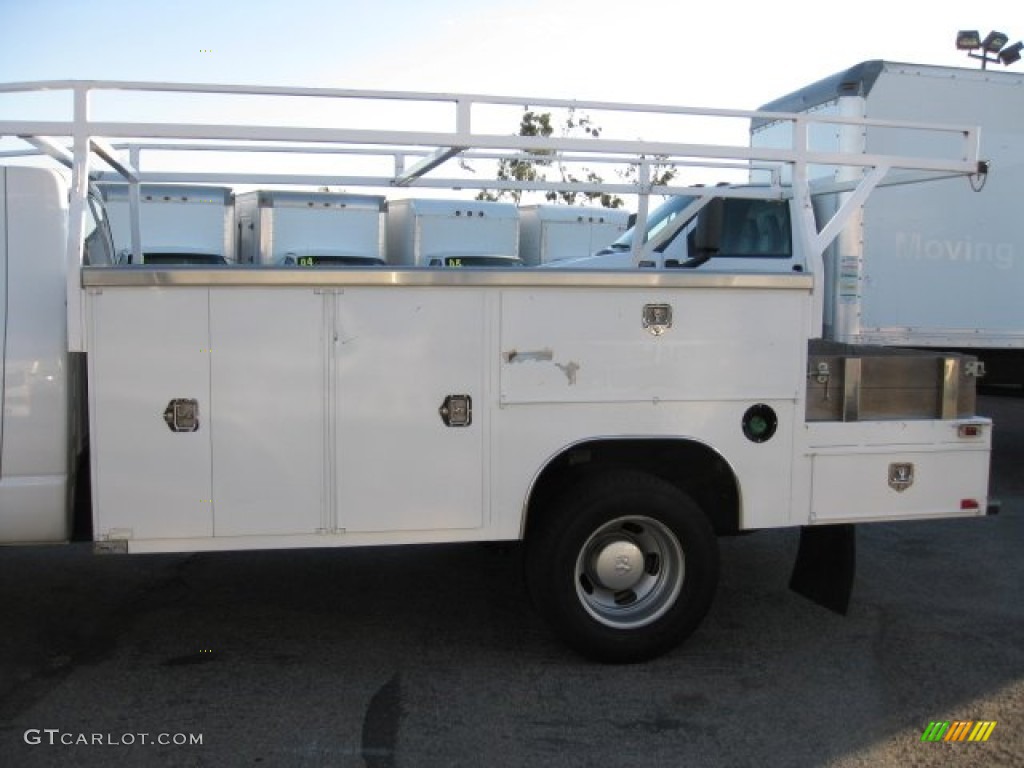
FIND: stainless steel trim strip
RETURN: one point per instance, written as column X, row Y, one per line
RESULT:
column 245, row 275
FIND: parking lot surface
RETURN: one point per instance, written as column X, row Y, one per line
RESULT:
column 432, row 656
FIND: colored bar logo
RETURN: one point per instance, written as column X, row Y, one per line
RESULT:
column 959, row 730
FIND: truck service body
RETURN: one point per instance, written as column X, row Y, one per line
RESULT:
column 613, row 420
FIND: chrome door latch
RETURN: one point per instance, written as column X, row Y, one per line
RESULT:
column 457, row 411
column 182, row 415
column 657, row 318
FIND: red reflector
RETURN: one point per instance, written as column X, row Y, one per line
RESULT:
column 969, row 504
column 970, row 430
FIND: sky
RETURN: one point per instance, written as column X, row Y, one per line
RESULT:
column 717, row 54
column 737, row 54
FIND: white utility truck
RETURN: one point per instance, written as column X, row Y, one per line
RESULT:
column 452, row 233
column 555, row 232
column 292, row 228
column 180, row 224
column 936, row 265
column 615, row 421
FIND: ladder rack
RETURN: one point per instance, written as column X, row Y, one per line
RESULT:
column 461, row 130
column 429, row 149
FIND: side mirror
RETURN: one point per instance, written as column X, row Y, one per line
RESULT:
column 707, row 236
column 631, row 221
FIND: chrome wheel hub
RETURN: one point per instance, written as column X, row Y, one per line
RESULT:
column 629, row 572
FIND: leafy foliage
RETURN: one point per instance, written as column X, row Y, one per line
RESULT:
column 541, row 163
column 531, row 124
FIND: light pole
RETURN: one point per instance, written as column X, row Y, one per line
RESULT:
column 992, row 47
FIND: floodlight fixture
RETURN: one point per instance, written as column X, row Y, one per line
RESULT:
column 994, row 41
column 993, row 47
column 968, row 40
column 1011, row 53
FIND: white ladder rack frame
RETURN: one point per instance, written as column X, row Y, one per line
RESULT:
column 430, row 150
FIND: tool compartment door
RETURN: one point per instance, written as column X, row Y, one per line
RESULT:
column 896, row 470
column 400, row 352
column 149, row 347
column 267, row 385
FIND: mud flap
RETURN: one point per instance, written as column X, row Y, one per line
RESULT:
column 825, row 565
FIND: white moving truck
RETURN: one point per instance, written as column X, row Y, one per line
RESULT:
column 613, row 421
column 293, row 228
column 452, row 233
column 554, row 232
column 938, row 265
column 181, row 224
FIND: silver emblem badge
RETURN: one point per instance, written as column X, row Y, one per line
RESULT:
column 901, row 476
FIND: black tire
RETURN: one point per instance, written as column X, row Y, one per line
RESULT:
column 582, row 558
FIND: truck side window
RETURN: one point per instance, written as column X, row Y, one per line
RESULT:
column 756, row 228
column 98, row 245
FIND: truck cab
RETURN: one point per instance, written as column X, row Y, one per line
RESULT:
column 42, row 419
column 756, row 236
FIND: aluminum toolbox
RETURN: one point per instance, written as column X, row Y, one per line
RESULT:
column 847, row 382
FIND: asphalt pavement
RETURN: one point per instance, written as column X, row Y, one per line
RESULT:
column 432, row 656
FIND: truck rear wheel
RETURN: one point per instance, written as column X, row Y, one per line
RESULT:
column 622, row 566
